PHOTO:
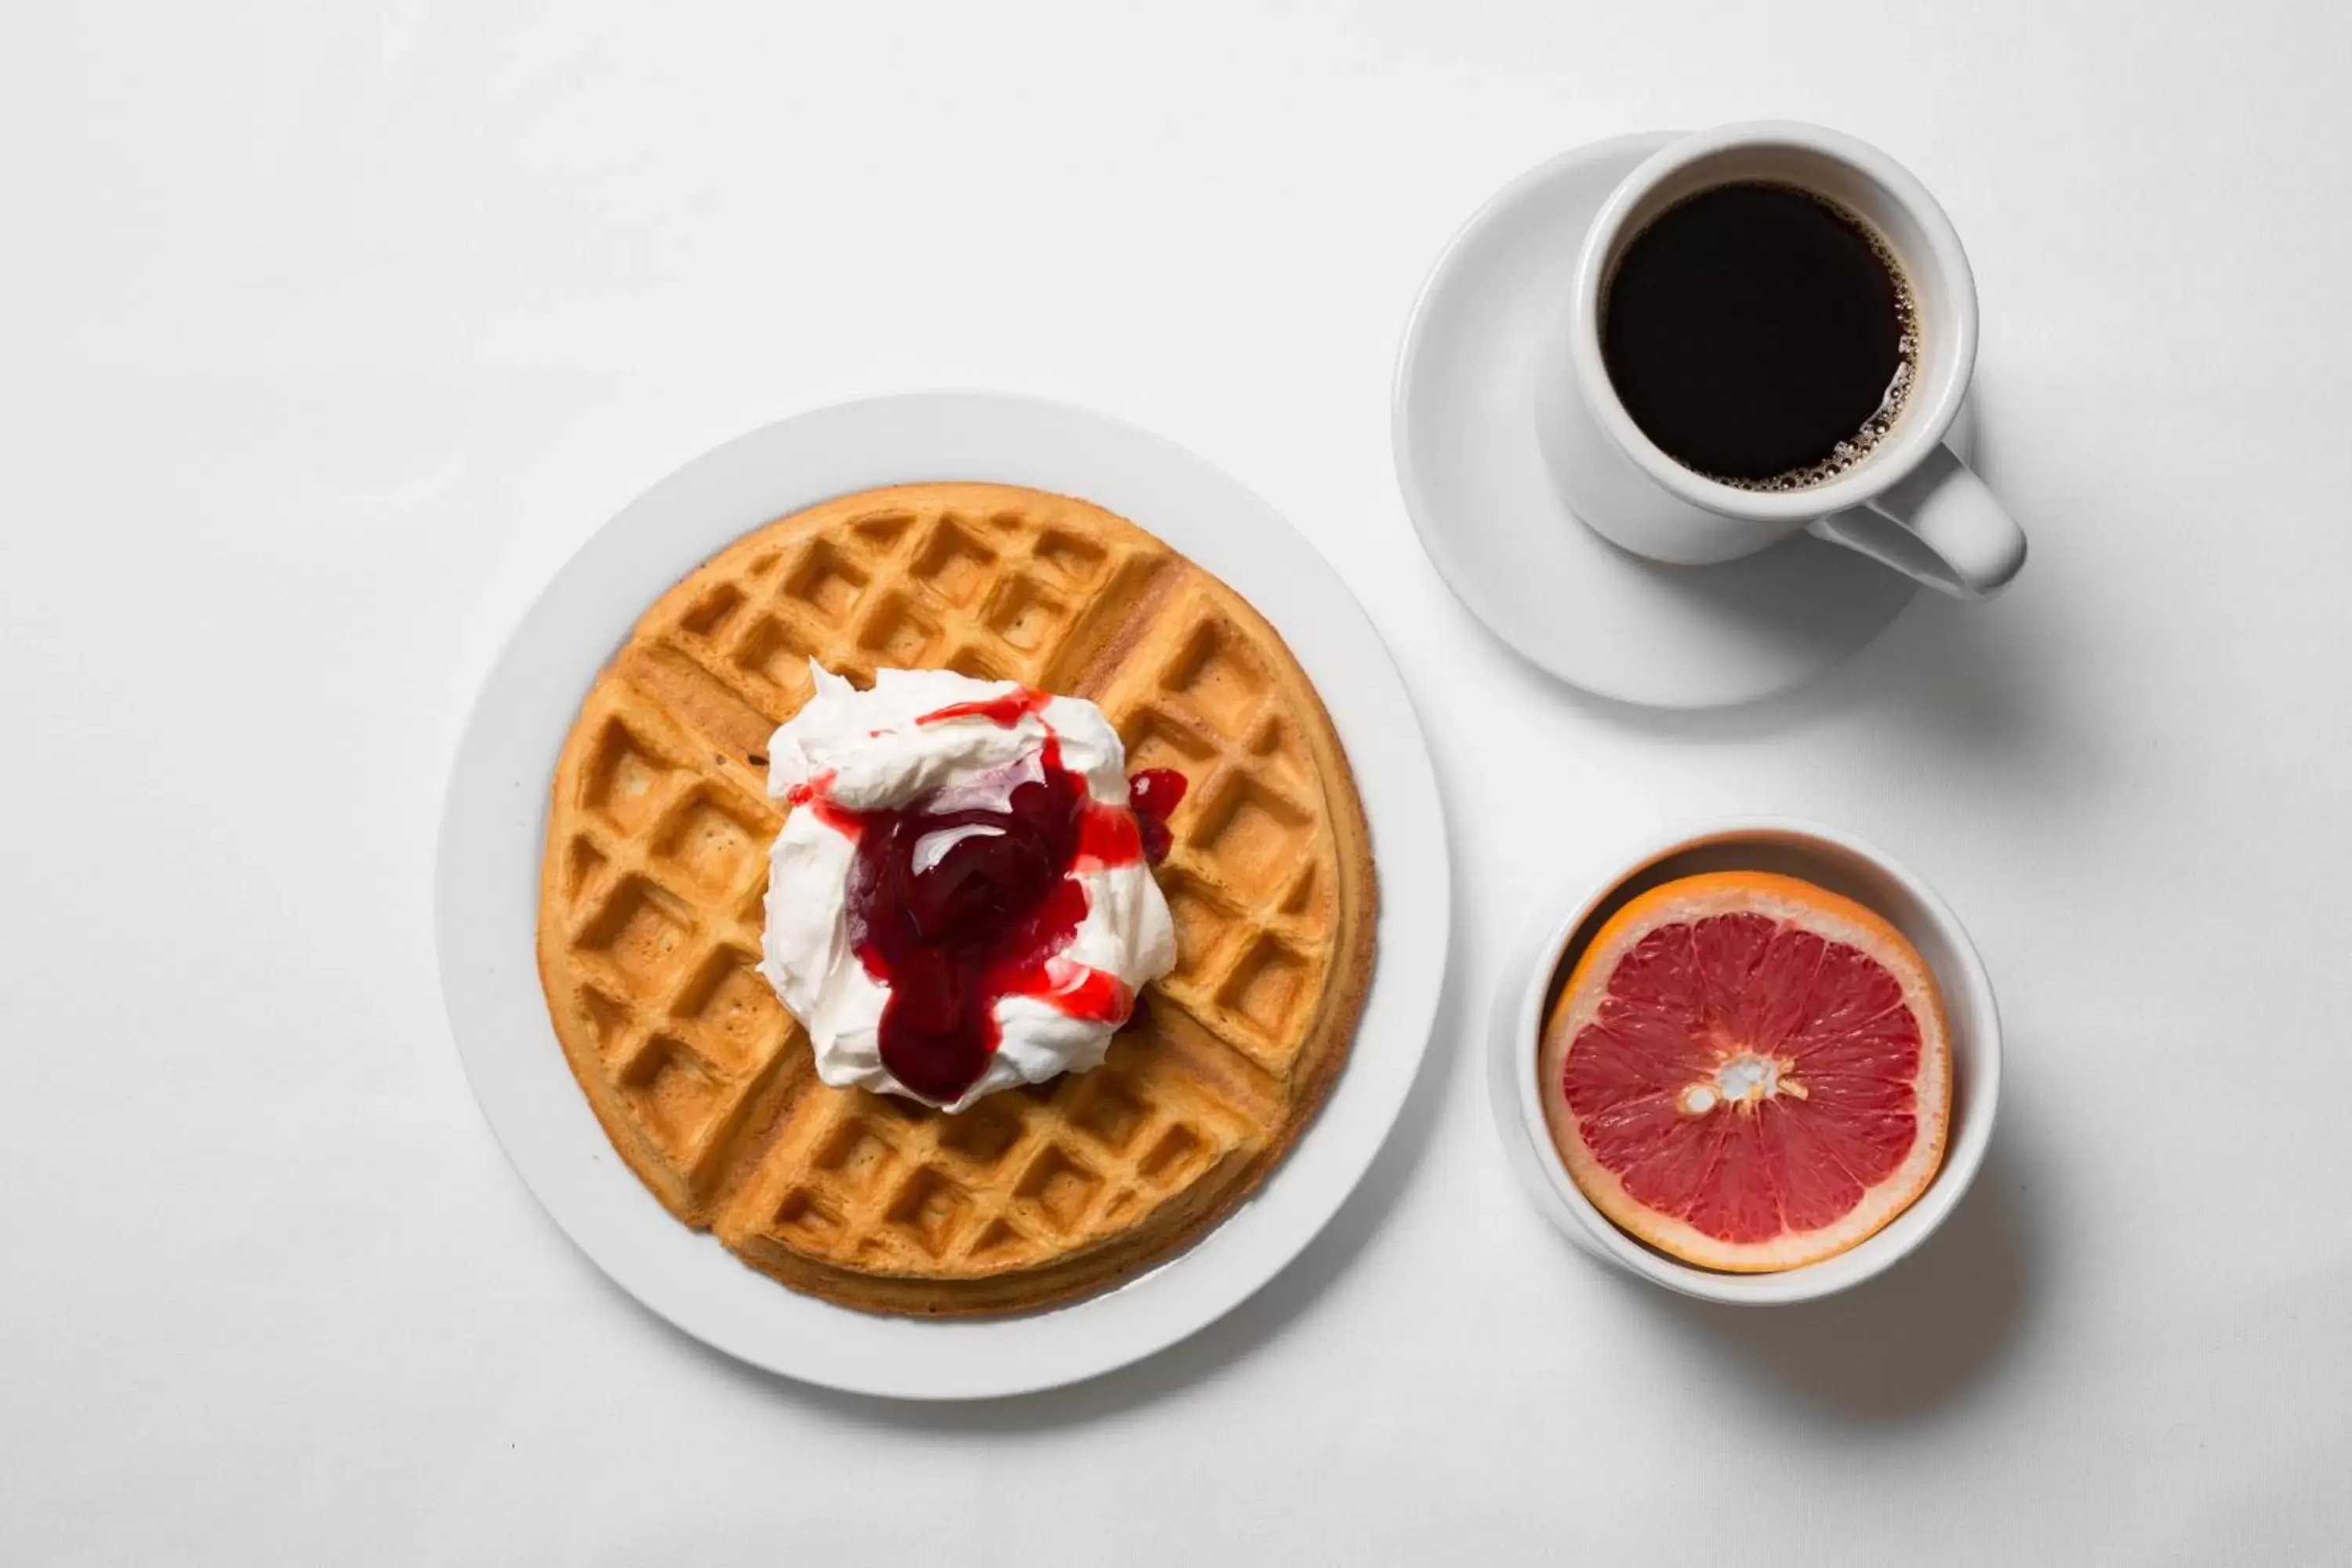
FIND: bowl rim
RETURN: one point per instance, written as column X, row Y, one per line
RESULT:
column 1977, row 1084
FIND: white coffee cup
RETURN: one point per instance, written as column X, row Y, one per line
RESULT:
column 1907, row 503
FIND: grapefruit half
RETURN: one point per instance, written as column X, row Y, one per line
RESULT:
column 1748, row 1072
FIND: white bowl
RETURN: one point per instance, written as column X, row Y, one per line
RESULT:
column 1835, row 861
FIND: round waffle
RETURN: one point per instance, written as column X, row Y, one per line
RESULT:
column 656, row 866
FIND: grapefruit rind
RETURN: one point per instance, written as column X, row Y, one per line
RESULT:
column 1789, row 900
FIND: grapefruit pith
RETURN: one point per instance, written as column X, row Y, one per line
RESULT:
column 1747, row 1072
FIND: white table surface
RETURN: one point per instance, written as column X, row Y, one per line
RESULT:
column 331, row 330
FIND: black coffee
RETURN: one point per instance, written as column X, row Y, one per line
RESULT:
column 1758, row 335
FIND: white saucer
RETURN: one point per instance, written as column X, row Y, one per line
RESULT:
column 1490, row 518
column 494, row 819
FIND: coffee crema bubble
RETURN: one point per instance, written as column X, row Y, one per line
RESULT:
column 1760, row 335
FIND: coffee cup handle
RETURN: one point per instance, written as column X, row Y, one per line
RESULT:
column 1940, row 523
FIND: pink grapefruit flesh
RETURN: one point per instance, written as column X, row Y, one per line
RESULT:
column 1747, row 1072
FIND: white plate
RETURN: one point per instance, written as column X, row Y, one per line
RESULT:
column 495, row 815
column 1489, row 514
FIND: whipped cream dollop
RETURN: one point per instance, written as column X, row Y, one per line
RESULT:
column 917, row 739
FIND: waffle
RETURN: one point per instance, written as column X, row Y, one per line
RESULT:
column 656, row 866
